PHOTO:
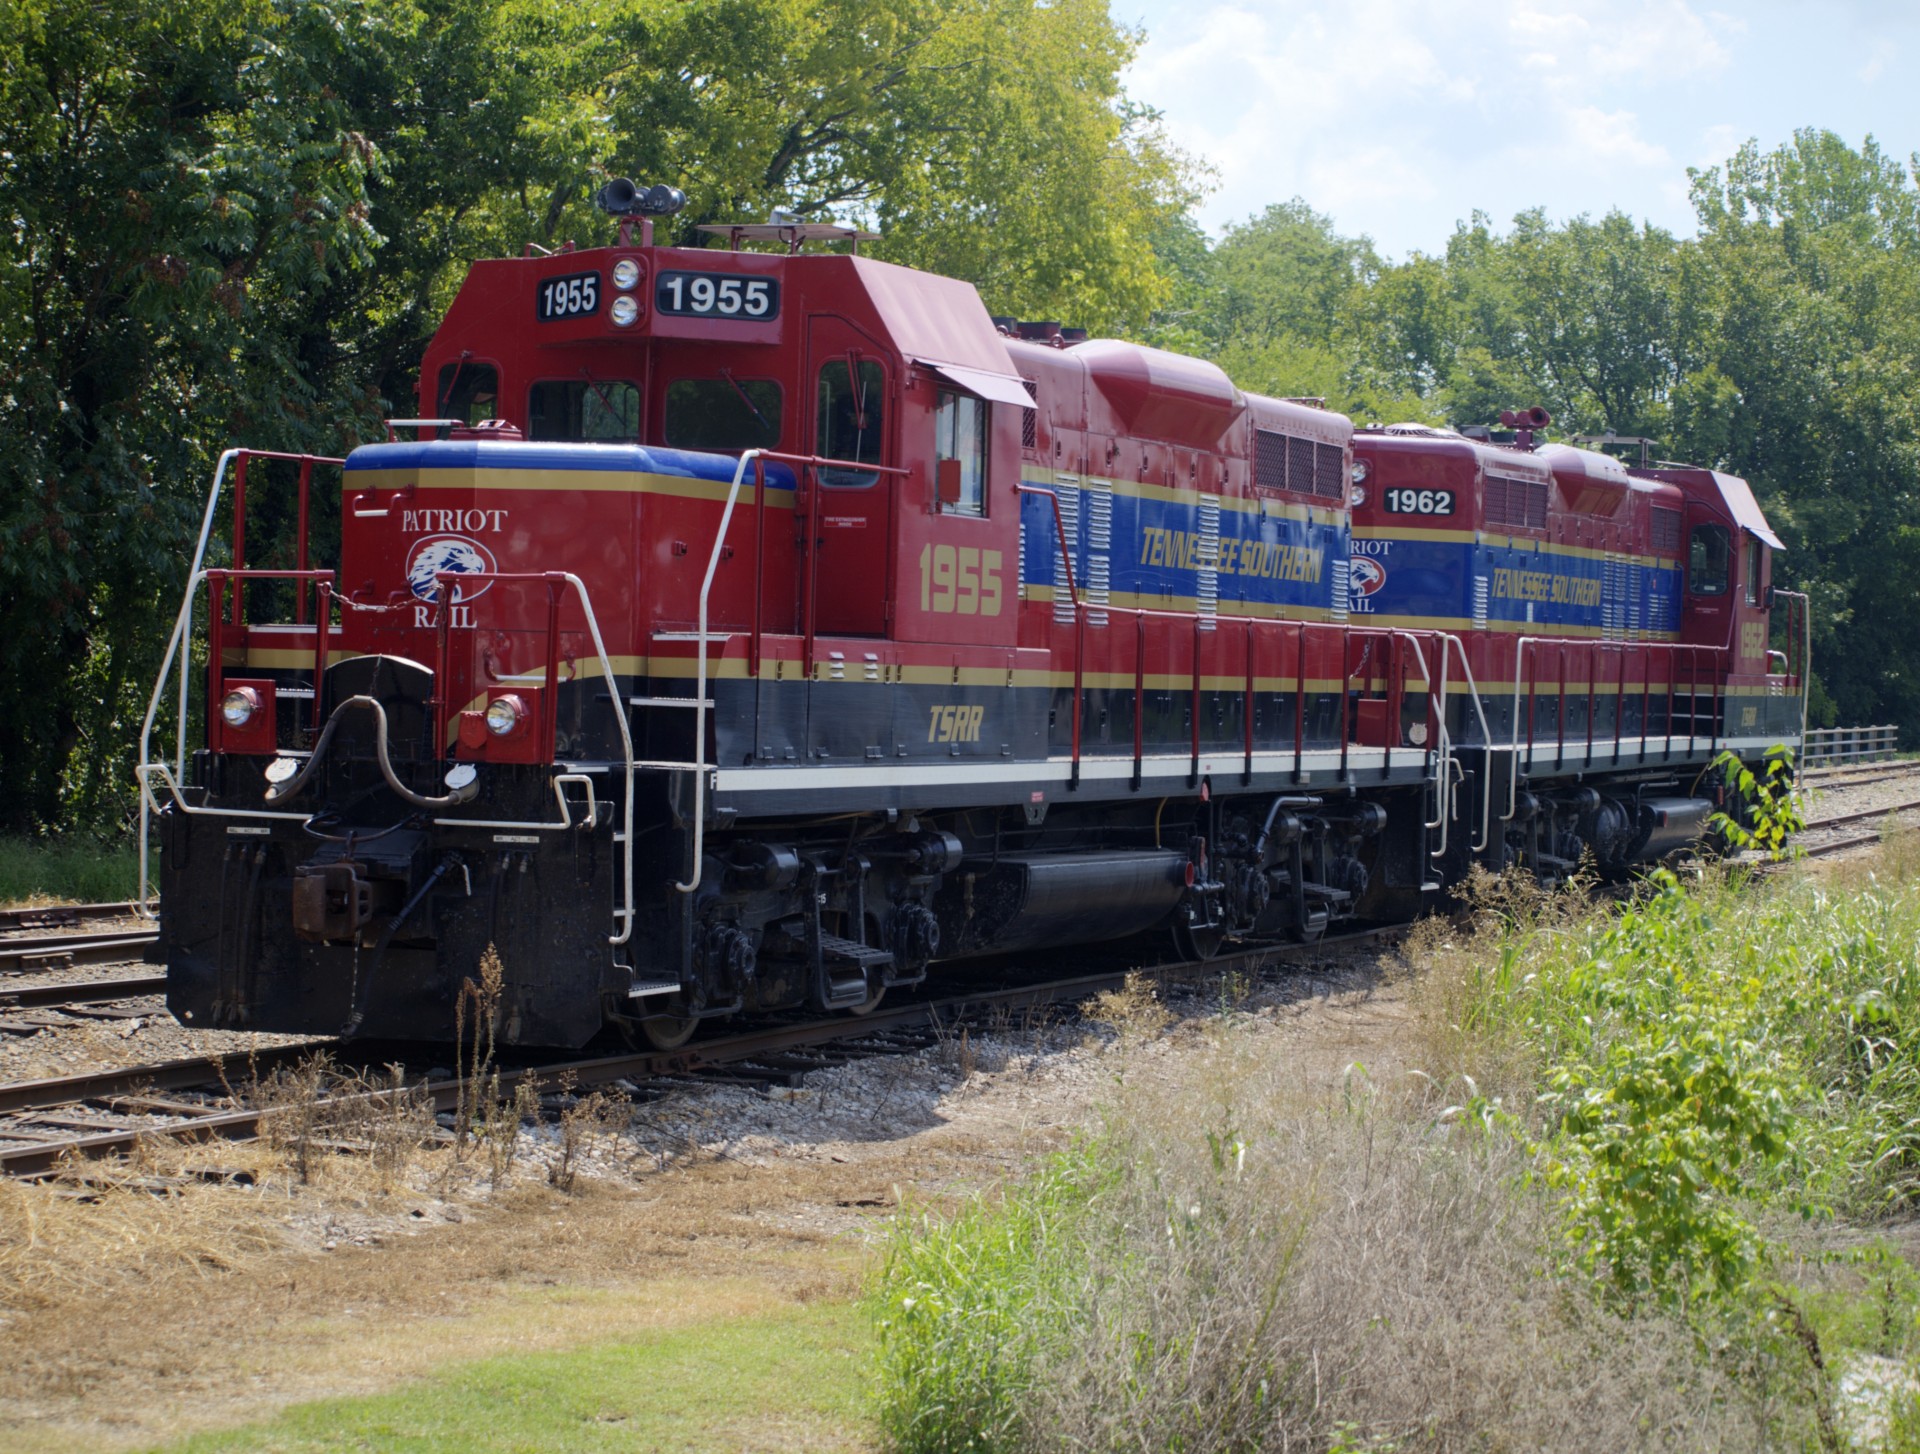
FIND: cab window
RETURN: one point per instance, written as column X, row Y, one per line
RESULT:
column 468, row 392
column 593, row 411
column 723, row 414
column 1709, row 557
column 1754, row 567
column 851, row 421
column 960, row 454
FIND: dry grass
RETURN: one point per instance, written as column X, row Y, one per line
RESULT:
column 1242, row 1260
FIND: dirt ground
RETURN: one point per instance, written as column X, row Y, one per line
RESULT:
column 137, row 1317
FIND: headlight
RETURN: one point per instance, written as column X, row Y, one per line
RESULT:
column 1361, row 469
column 239, row 705
column 504, row 714
column 625, row 310
column 626, row 273
column 1357, row 496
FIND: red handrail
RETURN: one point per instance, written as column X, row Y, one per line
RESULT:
column 554, row 581
column 219, row 626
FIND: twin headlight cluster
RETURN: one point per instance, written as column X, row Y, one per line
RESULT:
column 626, row 307
column 504, row 713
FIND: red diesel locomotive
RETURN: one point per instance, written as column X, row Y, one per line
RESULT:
column 746, row 629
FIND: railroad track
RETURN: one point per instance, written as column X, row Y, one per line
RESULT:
column 64, row 916
column 111, row 1112
column 62, row 951
column 1841, row 819
column 1861, row 776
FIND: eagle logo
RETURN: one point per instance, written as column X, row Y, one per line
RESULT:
column 1365, row 575
column 440, row 555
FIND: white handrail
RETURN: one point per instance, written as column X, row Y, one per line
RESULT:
column 182, row 625
column 700, row 678
column 619, row 709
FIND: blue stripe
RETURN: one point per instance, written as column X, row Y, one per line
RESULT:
column 1524, row 586
column 465, row 454
column 1153, row 546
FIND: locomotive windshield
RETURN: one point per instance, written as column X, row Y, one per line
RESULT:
column 851, row 421
column 1708, row 561
column 587, row 411
column 469, row 391
column 724, row 414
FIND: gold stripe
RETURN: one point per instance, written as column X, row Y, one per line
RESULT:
column 621, row 482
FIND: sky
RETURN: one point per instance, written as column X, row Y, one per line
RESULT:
column 1399, row 118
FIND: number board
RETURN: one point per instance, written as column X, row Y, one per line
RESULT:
column 577, row 295
column 1419, row 502
column 717, row 295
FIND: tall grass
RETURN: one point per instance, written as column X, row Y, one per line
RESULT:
column 72, row 868
column 1627, row 1204
column 1226, row 1268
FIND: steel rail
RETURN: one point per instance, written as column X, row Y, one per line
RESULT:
column 81, row 992
column 1864, row 815
column 63, row 916
column 21, row 956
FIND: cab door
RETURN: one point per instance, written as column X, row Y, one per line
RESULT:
column 846, row 524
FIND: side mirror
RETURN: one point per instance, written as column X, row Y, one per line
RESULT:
column 946, row 482
column 1766, row 598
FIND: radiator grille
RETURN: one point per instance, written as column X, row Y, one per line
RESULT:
column 1516, row 502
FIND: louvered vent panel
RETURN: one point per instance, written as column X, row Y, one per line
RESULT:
column 1068, row 493
column 1666, row 530
column 1496, row 511
column 1337, row 580
column 1299, row 465
column 1030, row 418
column 1481, row 596
column 1516, row 502
column 1207, row 562
column 1328, row 471
column 1099, row 549
column 1269, row 460
column 1536, row 505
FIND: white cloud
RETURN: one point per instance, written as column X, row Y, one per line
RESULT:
column 1400, row 116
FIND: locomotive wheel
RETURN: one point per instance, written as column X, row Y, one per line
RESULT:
column 660, row 1032
column 1197, row 944
column 870, row 1003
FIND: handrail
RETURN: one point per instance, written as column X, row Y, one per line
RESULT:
column 1693, row 650
column 1486, row 735
column 615, row 701
column 182, row 629
column 699, row 764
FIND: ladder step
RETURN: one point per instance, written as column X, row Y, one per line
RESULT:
column 832, row 946
column 641, row 989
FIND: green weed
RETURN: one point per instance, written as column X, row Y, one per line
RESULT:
column 69, row 869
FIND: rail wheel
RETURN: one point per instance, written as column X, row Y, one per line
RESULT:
column 1197, row 944
column 660, row 1032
